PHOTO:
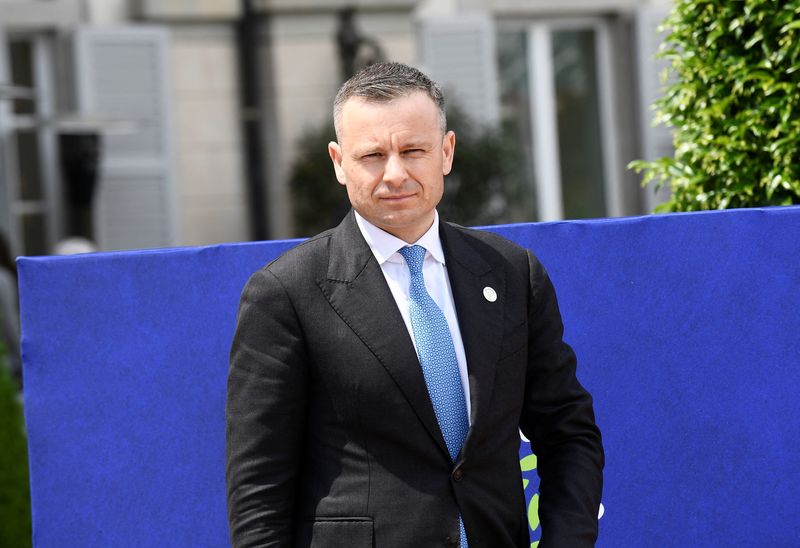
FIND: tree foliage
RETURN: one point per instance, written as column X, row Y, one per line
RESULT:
column 319, row 202
column 488, row 179
column 734, row 105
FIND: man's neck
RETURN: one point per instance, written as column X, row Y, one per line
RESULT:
column 408, row 236
column 383, row 244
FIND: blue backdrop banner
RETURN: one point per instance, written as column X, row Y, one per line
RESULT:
column 686, row 327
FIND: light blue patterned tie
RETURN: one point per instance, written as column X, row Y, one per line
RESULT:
column 437, row 355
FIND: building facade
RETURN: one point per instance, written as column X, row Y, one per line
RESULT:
column 172, row 87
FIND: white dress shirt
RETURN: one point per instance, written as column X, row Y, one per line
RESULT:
column 385, row 248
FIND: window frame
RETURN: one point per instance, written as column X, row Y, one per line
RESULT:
column 542, row 107
column 12, row 205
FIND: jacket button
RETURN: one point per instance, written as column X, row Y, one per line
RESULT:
column 452, row 542
column 458, row 474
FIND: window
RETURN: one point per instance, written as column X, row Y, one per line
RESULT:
column 28, row 178
column 556, row 94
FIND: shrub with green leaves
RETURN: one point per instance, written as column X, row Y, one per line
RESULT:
column 15, row 513
column 734, row 105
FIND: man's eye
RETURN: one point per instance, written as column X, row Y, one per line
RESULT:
column 372, row 155
column 413, row 151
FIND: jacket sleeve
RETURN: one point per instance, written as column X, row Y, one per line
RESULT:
column 265, row 415
column 559, row 420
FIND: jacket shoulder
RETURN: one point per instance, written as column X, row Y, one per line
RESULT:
column 493, row 244
column 302, row 262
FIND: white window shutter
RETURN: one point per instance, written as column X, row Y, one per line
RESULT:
column 459, row 53
column 123, row 74
column 656, row 140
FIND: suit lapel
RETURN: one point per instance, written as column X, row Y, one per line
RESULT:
column 479, row 319
column 357, row 291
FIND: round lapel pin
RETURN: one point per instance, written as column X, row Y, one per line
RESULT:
column 489, row 294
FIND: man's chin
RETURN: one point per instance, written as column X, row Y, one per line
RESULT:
column 406, row 227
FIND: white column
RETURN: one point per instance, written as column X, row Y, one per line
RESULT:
column 609, row 121
column 544, row 123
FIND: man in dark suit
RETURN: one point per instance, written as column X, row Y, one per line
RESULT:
column 381, row 371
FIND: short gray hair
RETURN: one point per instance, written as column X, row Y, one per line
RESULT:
column 383, row 82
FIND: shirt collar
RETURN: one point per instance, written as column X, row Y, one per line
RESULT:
column 384, row 245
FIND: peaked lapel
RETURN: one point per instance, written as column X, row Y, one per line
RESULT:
column 358, row 292
column 480, row 320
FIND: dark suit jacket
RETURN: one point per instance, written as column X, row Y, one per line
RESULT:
column 332, row 440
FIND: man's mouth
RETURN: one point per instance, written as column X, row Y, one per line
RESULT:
column 396, row 197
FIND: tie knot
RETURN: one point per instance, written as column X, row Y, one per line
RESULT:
column 414, row 256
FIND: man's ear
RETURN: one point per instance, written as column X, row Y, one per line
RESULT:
column 335, row 152
column 448, row 150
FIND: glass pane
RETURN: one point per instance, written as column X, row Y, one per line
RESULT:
column 512, row 62
column 34, row 234
column 30, row 187
column 578, row 115
column 21, row 54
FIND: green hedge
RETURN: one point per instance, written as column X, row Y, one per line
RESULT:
column 15, row 512
column 734, row 105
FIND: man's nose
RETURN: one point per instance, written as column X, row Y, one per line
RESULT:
column 394, row 171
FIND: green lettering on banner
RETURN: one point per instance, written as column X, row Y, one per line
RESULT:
column 528, row 466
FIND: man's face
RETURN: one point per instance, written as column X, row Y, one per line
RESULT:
column 392, row 157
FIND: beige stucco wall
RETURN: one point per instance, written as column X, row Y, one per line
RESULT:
column 212, row 194
column 305, row 63
column 300, row 75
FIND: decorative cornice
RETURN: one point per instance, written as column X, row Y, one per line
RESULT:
column 513, row 8
column 32, row 14
column 317, row 6
column 188, row 10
